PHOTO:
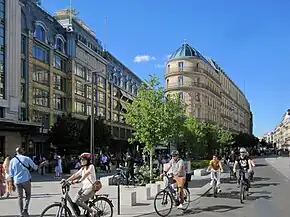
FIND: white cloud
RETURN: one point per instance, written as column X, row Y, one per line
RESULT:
column 143, row 58
column 159, row 66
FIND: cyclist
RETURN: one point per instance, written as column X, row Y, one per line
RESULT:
column 215, row 166
column 244, row 163
column 179, row 173
column 231, row 160
column 88, row 177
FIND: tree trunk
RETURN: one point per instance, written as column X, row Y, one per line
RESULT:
column 151, row 165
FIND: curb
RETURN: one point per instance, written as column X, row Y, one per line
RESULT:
column 207, row 187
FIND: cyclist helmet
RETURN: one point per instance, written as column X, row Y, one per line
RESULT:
column 87, row 157
column 174, row 153
column 243, row 152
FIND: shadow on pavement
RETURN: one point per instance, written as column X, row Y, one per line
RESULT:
column 236, row 195
column 261, row 165
column 258, row 179
column 261, row 185
column 215, row 208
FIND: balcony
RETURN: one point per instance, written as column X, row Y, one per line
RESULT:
column 184, row 70
column 183, row 86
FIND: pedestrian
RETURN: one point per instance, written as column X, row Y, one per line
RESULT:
column 58, row 168
column 19, row 171
column 8, row 181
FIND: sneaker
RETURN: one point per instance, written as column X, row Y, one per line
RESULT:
column 211, row 182
column 219, row 190
column 25, row 213
column 180, row 206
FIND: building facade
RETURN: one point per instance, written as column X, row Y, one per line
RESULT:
column 280, row 136
column 52, row 66
column 209, row 94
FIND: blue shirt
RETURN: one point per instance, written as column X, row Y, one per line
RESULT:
column 18, row 172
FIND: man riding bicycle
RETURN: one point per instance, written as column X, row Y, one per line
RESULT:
column 245, row 166
column 88, row 177
column 215, row 166
column 179, row 173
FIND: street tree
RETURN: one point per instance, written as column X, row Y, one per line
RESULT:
column 154, row 118
column 102, row 134
column 224, row 138
column 64, row 133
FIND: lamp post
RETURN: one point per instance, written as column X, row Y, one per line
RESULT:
column 94, row 77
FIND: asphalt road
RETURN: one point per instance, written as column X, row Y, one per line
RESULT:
column 269, row 197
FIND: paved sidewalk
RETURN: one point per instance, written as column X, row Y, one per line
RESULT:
column 46, row 190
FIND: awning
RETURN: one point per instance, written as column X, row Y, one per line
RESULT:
column 11, row 125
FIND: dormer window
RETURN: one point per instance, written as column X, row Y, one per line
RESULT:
column 59, row 45
column 39, row 33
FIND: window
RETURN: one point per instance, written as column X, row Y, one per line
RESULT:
column 40, row 53
column 59, row 82
column 101, row 112
column 59, row 45
column 115, row 79
column 180, row 80
column 197, row 97
column 59, row 102
column 39, row 33
column 168, row 68
column 79, row 88
column 41, row 97
column 101, row 81
column 23, row 44
column 23, row 93
column 23, row 68
column 59, row 63
column 89, row 109
column 89, row 76
column 2, row 81
column 167, row 83
column 89, row 92
column 79, row 107
column 40, row 75
column 181, row 95
column 101, row 97
column 180, row 66
column 79, row 70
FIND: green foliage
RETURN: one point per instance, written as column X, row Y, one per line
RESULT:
column 199, row 164
column 73, row 135
column 154, row 118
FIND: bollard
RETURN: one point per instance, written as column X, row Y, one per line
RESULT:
column 119, row 199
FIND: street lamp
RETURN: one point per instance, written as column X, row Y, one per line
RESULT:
column 92, row 145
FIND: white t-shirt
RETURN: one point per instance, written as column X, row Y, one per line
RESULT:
column 91, row 178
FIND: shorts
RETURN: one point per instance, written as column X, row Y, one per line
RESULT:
column 180, row 181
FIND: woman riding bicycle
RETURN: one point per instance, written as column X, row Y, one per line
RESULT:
column 88, row 177
column 215, row 166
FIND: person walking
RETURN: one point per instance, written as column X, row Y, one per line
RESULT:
column 19, row 171
column 8, row 181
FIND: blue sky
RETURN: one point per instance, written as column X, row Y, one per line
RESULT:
column 249, row 39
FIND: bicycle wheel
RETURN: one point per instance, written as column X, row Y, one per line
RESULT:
column 186, row 194
column 140, row 179
column 61, row 211
column 214, row 188
column 165, row 198
column 103, row 206
column 242, row 193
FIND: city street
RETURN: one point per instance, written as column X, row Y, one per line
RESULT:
column 269, row 197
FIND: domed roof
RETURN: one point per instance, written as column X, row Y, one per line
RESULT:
column 187, row 51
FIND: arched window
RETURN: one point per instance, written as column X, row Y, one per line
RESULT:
column 39, row 33
column 59, row 45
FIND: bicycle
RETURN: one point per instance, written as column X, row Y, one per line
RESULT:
column 214, row 183
column 169, row 194
column 120, row 177
column 64, row 210
column 243, row 186
column 232, row 174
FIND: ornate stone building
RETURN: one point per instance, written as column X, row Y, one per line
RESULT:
column 210, row 95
